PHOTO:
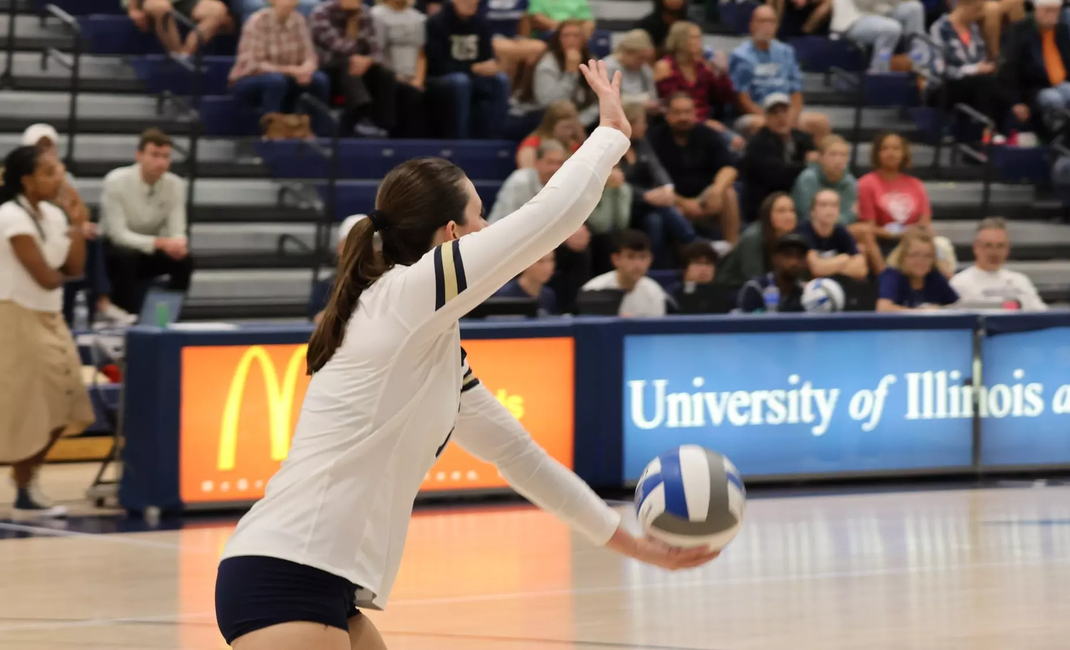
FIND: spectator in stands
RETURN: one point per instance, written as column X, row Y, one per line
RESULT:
column 321, row 291
column 699, row 262
column 143, row 211
column 700, row 165
column 830, row 173
column 658, row 22
column 548, row 15
column 513, row 46
column 797, row 18
column 988, row 280
column 246, row 8
column 879, row 24
column 276, row 63
column 753, row 254
column 45, row 139
column 348, row 49
column 632, row 56
column 776, row 155
column 460, row 61
column 971, row 79
column 402, row 31
column 913, row 282
column 557, row 74
column 523, row 184
column 889, row 198
column 559, row 123
column 211, row 16
column 611, row 216
column 684, row 69
column 996, row 13
column 41, row 391
column 532, row 283
column 833, row 250
column 643, row 297
column 1035, row 62
column 762, row 66
column 654, row 200
column 781, row 289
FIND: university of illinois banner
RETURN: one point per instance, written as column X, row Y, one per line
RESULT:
column 239, row 405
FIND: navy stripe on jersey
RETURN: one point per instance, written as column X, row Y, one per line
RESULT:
column 464, row 356
column 450, row 279
column 444, row 443
column 440, row 284
column 470, row 382
column 458, row 266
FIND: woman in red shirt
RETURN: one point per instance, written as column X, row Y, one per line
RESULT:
column 889, row 198
column 559, row 122
column 684, row 69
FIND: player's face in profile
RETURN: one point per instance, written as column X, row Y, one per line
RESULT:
column 473, row 212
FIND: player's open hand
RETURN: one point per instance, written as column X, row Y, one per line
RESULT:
column 657, row 553
column 610, row 110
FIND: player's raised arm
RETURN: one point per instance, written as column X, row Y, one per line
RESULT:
column 460, row 274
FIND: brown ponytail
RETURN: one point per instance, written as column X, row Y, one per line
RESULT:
column 415, row 199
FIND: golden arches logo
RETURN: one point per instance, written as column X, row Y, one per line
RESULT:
column 280, row 400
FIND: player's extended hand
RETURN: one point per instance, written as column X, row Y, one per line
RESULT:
column 652, row 551
column 610, row 110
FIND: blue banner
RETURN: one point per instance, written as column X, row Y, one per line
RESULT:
column 791, row 403
column 1026, row 400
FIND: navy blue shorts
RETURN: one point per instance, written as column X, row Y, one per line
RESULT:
column 254, row 592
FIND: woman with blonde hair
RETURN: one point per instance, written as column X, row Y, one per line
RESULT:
column 632, row 57
column 560, row 122
column 912, row 280
column 41, row 392
column 684, row 69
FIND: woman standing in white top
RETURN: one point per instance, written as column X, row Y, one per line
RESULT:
column 41, row 392
column 391, row 388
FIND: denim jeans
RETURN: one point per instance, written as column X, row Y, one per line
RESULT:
column 274, row 92
column 480, row 103
column 246, row 8
column 663, row 224
column 882, row 33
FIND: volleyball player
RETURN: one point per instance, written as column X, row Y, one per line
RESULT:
column 391, row 387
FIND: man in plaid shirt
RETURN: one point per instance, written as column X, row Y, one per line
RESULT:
column 277, row 63
column 343, row 34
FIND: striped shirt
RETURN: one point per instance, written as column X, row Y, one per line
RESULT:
column 332, row 37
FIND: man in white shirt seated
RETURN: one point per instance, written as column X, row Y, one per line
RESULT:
column 631, row 257
column 143, row 214
column 523, row 184
column 987, row 281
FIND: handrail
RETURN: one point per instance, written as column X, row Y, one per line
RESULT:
column 7, row 77
column 323, row 226
column 196, row 68
column 860, row 99
column 75, row 65
column 983, row 120
column 288, row 237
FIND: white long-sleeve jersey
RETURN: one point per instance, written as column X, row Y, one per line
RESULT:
column 398, row 390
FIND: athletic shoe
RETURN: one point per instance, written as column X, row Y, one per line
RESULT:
column 26, row 508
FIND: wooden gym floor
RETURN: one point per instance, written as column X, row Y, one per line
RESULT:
column 957, row 569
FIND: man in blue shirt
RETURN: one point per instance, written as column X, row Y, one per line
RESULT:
column 781, row 289
column 460, row 61
column 762, row 66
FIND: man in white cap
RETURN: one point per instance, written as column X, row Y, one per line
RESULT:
column 1036, row 61
column 775, row 155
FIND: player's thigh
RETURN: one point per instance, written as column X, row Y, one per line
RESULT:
column 363, row 635
column 296, row 635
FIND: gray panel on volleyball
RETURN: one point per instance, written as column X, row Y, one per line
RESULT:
column 718, row 516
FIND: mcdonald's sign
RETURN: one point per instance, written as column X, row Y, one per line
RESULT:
column 240, row 403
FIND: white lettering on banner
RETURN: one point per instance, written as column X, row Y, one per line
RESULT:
column 930, row 395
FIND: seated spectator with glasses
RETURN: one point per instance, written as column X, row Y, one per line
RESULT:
column 143, row 213
column 210, row 16
column 781, row 289
column 912, row 281
column 461, row 65
column 631, row 258
column 833, row 250
column 988, row 280
column 532, row 283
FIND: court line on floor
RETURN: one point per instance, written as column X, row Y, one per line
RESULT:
column 518, row 639
column 113, row 538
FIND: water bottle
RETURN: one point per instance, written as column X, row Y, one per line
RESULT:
column 81, row 311
column 163, row 314
column 772, row 298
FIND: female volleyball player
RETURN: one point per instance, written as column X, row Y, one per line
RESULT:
column 391, row 387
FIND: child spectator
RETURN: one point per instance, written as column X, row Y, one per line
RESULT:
column 658, row 22
column 654, row 200
column 524, row 183
column 830, row 173
column 531, row 283
column 781, row 289
column 684, row 70
column 699, row 262
column 460, row 61
column 643, row 297
column 559, row 123
column 753, row 254
column 210, row 16
column 548, row 15
column 832, row 248
column 776, row 155
column 762, row 66
column 632, row 57
column 888, row 198
column 557, row 74
column 700, row 165
column 402, row 32
column 277, row 62
column 988, row 280
column 912, row 281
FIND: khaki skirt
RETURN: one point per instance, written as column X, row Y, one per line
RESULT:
column 41, row 388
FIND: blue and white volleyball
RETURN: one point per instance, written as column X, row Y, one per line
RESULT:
column 822, row 296
column 691, row 497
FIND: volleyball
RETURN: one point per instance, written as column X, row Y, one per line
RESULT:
column 691, row 497
column 823, row 295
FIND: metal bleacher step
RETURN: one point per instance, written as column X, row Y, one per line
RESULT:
column 31, row 34
column 97, row 112
column 1031, row 241
column 34, row 71
column 238, row 288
